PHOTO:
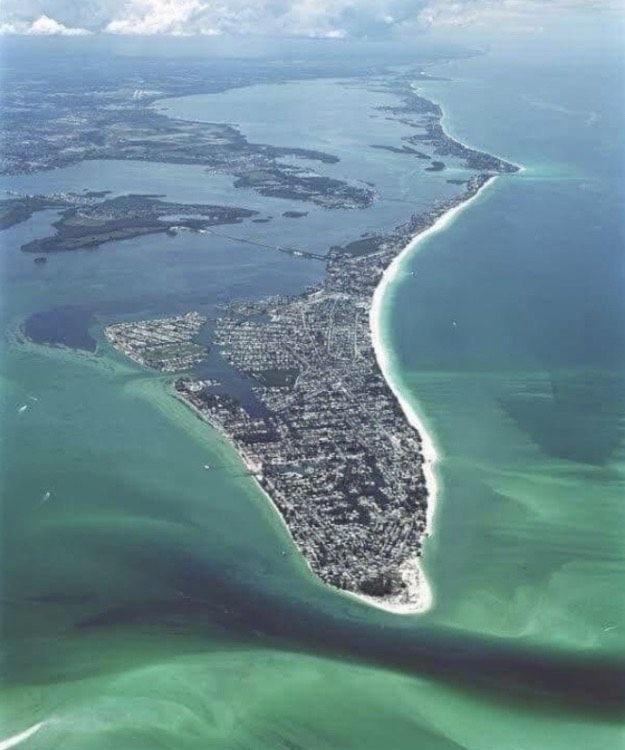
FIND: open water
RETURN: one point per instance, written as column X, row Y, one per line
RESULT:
column 148, row 603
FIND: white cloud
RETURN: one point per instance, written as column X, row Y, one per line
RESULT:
column 527, row 14
column 177, row 17
column 181, row 17
column 46, row 26
column 311, row 18
column 469, row 13
column 42, row 26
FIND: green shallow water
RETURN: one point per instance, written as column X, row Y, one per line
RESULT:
column 232, row 698
column 531, row 459
column 508, row 330
column 148, row 603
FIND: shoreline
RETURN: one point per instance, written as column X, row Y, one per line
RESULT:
column 417, row 596
column 423, row 597
column 411, row 593
column 414, row 576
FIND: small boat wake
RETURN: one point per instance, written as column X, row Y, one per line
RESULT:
column 26, row 405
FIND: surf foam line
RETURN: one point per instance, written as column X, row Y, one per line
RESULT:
column 16, row 739
column 425, row 599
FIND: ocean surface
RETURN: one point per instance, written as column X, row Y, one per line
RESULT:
column 148, row 603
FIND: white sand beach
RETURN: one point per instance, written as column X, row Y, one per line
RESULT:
column 418, row 596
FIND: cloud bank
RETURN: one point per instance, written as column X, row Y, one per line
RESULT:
column 308, row 18
column 41, row 26
column 511, row 13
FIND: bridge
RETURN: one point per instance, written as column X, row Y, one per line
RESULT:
column 256, row 243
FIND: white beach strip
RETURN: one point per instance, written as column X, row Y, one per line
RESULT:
column 424, row 599
column 8, row 742
column 414, row 599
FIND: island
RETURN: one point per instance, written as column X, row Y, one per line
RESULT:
column 166, row 344
column 87, row 222
column 17, row 209
column 323, row 432
column 424, row 115
column 327, row 439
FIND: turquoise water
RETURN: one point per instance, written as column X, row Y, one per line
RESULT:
column 148, row 603
column 509, row 329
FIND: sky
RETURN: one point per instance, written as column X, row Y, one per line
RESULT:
column 333, row 19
